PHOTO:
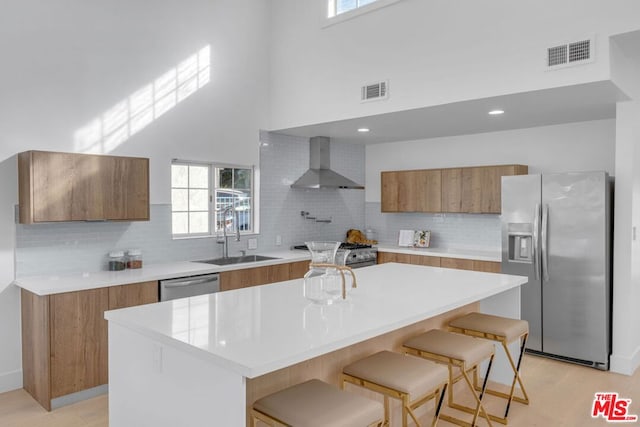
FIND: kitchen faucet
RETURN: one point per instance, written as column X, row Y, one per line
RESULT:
column 225, row 239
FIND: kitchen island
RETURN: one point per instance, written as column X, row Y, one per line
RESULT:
column 204, row 360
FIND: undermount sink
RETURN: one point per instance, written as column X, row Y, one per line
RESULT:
column 238, row 259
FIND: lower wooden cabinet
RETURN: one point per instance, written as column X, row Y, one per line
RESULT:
column 236, row 279
column 78, row 341
column 131, row 295
column 429, row 261
column 487, row 266
column 64, row 337
column 298, row 269
column 408, row 259
column 444, row 262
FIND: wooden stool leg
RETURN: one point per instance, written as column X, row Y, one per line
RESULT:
column 386, row 411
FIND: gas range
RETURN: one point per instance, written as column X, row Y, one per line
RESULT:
column 359, row 255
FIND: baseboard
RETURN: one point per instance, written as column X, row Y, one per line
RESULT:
column 625, row 365
column 59, row 402
column 10, row 381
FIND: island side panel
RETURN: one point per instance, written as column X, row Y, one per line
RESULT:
column 328, row 367
column 154, row 384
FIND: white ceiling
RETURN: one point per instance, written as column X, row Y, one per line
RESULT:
column 591, row 101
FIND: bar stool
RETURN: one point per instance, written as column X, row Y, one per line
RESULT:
column 412, row 380
column 505, row 331
column 315, row 403
column 462, row 354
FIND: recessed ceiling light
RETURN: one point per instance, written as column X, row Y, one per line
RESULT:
column 496, row 112
column 363, row 130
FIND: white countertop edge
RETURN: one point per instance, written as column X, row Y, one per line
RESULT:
column 70, row 282
column 479, row 255
column 257, row 371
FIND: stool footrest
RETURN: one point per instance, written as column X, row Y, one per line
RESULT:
column 524, row 401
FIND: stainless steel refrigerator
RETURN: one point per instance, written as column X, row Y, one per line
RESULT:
column 556, row 229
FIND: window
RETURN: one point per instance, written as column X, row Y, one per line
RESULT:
column 342, row 6
column 341, row 10
column 206, row 199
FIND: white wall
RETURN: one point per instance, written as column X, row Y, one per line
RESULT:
column 626, row 292
column 66, row 63
column 559, row 148
column 433, row 52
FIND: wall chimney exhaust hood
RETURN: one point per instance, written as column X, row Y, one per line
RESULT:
column 319, row 174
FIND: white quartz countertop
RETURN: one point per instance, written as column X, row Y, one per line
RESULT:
column 69, row 282
column 480, row 255
column 257, row 330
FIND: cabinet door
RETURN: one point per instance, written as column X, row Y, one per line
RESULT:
column 234, row 279
column 403, row 258
column 428, row 190
column 88, row 194
column 246, row 277
column 491, row 185
column 126, row 187
column 52, row 178
column 472, row 190
column 411, row 191
column 389, row 191
column 482, row 187
column 297, row 270
column 268, row 274
column 78, row 340
column 131, row 295
column 457, row 263
column 452, row 190
column 384, row 257
column 487, row 266
column 430, row 261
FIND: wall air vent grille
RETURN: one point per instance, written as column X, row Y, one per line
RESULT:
column 375, row 91
column 568, row 54
column 580, row 51
column 557, row 55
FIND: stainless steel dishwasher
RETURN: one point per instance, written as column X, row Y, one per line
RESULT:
column 183, row 287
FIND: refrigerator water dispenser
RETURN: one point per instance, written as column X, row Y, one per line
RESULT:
column 520, row 243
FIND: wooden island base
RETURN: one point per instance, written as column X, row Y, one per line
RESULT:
column 328, row 367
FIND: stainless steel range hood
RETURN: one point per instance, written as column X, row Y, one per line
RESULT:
column 319, row 174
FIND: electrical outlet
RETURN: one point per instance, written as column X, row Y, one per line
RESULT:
column 252, row 243
column 278, row 240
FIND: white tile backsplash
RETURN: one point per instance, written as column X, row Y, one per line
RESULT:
column 462, row 231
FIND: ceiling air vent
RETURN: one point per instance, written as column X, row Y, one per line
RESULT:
column 375, row 91
column 573, row 53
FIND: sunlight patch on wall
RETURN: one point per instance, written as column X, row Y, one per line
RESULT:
column 129, row 116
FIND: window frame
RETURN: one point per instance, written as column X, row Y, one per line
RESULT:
column 212, row 213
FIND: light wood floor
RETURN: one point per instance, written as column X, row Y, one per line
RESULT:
column 561, row 395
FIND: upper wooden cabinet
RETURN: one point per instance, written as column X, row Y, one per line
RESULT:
column 455, row 190
column 481, row 187
column 412, row 191
column 57, row 187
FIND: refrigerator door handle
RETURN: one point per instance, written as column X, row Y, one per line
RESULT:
column 536, row 226
column 545, row 249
